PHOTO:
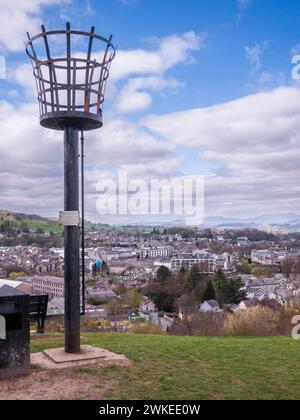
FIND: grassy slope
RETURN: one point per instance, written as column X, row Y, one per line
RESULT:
column 45, row 225
column 33, row 222
column 167, row 367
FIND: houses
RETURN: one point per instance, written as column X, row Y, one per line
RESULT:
column 226, row 262
column 203, row 258
column 163, row 263
column 147, row 306
column 273, row 256
column 246, row 304
column 18, row 285
column 242, row 241
column 208, row 262
column 166, row 323
column 276, row 287
column 155, row 251
column 33, row 259
column 264, row 257
column 100, row 293
column 210, row 306
column 46, row 285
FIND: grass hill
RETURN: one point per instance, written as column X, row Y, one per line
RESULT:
column 34, row 222
column 31, row 221
column 170, row 368
column 38, row 223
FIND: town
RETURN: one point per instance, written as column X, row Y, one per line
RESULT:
column 123, row 266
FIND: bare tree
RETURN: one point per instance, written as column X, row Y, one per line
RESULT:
column 287, row 266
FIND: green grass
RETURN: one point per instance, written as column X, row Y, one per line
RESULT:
column 166, row 367
column 44, row 225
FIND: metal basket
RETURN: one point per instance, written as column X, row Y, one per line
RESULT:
column 71, row 87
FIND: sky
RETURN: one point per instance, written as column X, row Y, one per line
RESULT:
column 197, row 88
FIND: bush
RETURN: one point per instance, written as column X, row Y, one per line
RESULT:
column 255, row 322
column 200, row 324
column 96, row 301
column 284, row 318
column 147, row 329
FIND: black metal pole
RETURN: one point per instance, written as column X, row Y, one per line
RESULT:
column 82, row 226
column 72, row 282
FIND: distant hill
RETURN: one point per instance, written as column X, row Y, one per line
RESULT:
column 35, row 222
column 32, row 221
column 279, row 221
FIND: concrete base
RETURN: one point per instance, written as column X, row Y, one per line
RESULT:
column 58, row 359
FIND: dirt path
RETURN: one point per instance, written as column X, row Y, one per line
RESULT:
column 54, row 385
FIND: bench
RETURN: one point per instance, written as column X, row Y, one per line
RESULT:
column 38, row 311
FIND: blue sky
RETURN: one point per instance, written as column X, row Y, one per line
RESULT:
column 197, row 88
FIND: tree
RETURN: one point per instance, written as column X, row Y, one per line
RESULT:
column 194, row 277
column 95, row 270
column 133, row 299
column 187, row 306
column 231, row 291
column 287, row 267
column 246, row 267
column 16, row 275
column 182, row 271
column 164, row 293
column 209, row 293
column 114, row 309
column 175, row 285
column 105, row 267
column 162, row 274
column 24, row 227
column 220, row 278
column 262, row 272
column 297, row 266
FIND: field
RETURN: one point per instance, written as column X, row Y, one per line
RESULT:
column 165, row 367
column 43, row 225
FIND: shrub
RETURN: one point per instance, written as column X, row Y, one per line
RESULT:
column 147, row 329
column 199, row 324
column 96, row 301
column 284, row 318
column 255, row 322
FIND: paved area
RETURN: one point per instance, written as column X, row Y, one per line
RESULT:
column 58, row 359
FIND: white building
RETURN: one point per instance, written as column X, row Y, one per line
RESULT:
column 155, row 252
column 203, row 258
column 161, row 263
column 210, row 306
column 48, row 285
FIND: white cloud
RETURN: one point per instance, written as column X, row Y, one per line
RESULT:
column 146, row 69
column 295, row 50
column 18, row 17
column 127, row 2
column 134, row 96
column 254, row 54
column 242, row 6
column 272, row 77
column 243, row 3
column 31, row 159
column 23, row 76
column 168, row 52
column 255, row 141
